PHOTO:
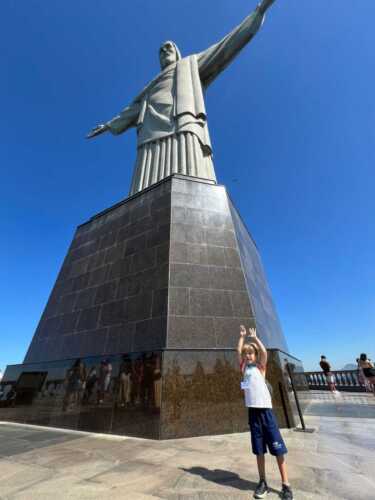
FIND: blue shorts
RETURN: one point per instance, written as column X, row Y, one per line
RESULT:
column 265, row 432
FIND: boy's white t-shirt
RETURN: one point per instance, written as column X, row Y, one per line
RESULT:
column 255, row 388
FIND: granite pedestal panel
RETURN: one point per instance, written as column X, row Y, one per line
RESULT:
column 157, row 286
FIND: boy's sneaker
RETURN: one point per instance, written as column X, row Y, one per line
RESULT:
column 286, row 492
column 261, row 490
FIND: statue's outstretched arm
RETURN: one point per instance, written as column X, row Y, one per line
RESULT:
column 264, row 5
column 119, row 124
column 216, row 58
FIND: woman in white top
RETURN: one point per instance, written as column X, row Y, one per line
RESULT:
column 263, row 425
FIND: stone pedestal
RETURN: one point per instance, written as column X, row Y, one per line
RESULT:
column 150, row 298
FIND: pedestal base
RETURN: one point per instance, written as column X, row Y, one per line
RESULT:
column 139, row 333
column 170, row 394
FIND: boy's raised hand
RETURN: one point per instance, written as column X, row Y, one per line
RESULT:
column 252, row 332
column 242, row 331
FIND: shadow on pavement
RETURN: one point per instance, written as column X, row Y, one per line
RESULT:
column 225, row 478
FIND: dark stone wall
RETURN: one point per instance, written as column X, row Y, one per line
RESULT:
column 111, row 293
column 172, row 394
column 123, row 405
column 160, row 283
column 208, row 299
column 201, row 394
column 267, row 321
column 171, row 267
column 168, row 394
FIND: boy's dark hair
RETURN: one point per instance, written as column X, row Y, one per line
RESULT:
column 323, row 357
column 363, row 357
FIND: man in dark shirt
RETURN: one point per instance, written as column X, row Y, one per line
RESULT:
column 326, row 367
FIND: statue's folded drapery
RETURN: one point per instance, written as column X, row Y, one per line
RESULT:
column 179, row 153
column 170, row 115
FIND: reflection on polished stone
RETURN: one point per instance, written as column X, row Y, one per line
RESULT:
column 151, row 394
column 116, row 394
column 201, row 394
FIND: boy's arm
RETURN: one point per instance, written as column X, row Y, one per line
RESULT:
column 241, row 342
column 262, row 349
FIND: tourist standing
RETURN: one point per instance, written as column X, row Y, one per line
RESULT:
column 363, row 382
column 157, row 383
column 75, row 380
column 105, row 374
column 326, row 367
column 125, row 383
column 368, row 369
column 90, row 384
column 263, row 425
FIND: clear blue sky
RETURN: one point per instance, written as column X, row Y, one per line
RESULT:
column 297, row 153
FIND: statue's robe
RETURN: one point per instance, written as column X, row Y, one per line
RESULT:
column 170, row 114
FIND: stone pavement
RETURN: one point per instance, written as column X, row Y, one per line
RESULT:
column 337, row 461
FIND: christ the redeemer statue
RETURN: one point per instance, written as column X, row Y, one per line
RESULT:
column 169, row 113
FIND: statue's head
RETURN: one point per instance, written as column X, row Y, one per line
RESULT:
column 168, row 54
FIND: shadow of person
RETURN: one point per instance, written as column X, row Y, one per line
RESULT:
column 225, row 478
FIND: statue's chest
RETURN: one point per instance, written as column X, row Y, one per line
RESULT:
column 162, row 92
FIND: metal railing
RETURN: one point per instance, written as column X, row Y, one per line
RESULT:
column 345, row 380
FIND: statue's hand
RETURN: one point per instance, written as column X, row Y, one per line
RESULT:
column 264, row 5
column 99, row 129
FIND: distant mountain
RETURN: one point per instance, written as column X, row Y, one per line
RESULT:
column 350, row 366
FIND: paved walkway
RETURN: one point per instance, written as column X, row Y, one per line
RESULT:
column 336, row 462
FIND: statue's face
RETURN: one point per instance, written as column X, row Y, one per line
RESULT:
column 167, row 54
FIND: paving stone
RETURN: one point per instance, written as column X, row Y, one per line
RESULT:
column 336, row 462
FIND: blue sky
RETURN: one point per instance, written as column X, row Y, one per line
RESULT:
column 292, row 122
